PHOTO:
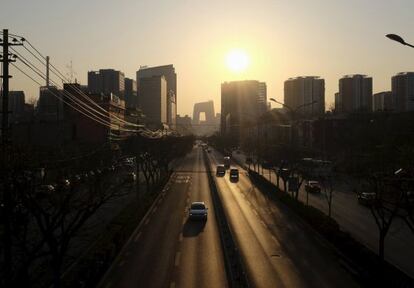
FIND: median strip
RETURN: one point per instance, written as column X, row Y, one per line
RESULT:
column 236, row 273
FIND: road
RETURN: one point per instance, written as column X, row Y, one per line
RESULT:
column 358, row 220
column 278, row 249
column 167, row 250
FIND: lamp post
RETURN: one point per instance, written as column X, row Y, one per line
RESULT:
column 398, row 39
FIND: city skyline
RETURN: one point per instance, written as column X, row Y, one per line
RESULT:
column 278, row 45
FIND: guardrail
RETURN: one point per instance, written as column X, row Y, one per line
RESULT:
column 236, row 273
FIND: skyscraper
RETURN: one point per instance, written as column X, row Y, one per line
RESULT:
column 168, row 71
column 305, row 95
column 107, row 81
column 355, row 94
column 242, row 103
column 131, row 97
column 403, row 91
column 153, row 100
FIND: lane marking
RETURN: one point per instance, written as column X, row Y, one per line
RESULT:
column 121, row 263
column 172, row 285
column 263, row 223
column 184, row 219
column 274, row 238
column 255, row 212
column 146, row 221
column 177, row 258
column 180, row 238
column 155, row 209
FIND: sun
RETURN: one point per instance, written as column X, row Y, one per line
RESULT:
column 237, row 60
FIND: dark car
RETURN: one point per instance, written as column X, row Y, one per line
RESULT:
column 234, row 175
column 313, row 187
column 198, row 211
column 220, row 170
column 366, row 198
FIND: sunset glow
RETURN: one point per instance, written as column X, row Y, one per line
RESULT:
column 237, row 60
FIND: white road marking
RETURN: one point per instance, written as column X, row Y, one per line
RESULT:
column 137, row 237
column 146, row 221
column 180, row 238
column 177, row 258
column 155, row 209
column 121, row 263
column 255, row 212
column 274, row 238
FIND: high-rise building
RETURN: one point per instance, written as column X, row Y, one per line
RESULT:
column 168, row 71
column 355, row 94
column 242, row 103
column 131, row 97
column 50, row 106
column 305, row 95
column 153, row 100
column 107, row 81
column 403, row 91
column 383, row 101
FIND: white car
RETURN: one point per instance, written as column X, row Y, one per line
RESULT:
column 198, row 210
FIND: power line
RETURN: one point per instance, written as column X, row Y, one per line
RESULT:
column 63, row 78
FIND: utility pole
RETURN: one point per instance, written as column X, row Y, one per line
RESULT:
column 6, row 59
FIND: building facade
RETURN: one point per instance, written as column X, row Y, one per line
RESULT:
column 242, row 103
column 168, row 71
column 153, row 100
column 305, row 96
column 402, row 86
column 355, row 94
column 383, row 101
column 107, row 81
column 131, row 96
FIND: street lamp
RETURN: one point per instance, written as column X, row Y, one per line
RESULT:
column 293, row 111
column 398, row 39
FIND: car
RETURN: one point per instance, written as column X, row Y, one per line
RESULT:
column 234, row 174
column 312, row 187
column 198, row 211
column 366, row 198
column 220, row 170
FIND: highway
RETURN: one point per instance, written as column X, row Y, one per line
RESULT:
column 358, row 220
column 278, row 249
column 167, row 250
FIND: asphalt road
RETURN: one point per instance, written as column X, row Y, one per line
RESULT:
column 278, row 249
column 168, row 250
column 358, row 220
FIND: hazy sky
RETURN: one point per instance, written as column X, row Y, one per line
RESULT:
column 283, row 38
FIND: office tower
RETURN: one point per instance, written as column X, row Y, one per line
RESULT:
column 383, row 101
column 355, row 94
column 153, row 100
column 168, row 71
column 305, row 96
column 107, row 81
column 403, row 91
column 242, row 103
column 131, row 97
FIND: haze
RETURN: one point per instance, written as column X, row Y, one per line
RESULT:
column 283, row 39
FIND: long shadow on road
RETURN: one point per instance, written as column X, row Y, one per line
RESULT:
column 192, row 228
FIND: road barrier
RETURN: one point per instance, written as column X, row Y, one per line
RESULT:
column 236, row 273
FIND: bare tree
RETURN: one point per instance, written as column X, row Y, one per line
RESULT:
column 328, row 191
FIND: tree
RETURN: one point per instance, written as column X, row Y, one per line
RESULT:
column 61, row 214
column 386, row 205
column 327, row 190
